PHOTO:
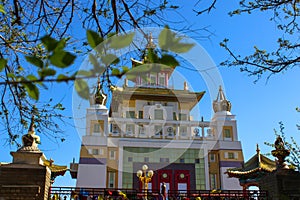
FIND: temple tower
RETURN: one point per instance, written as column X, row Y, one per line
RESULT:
column 92, row 168
column 227, row 152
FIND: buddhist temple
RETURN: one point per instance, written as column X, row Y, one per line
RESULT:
column 151, row 123
column 253, row 170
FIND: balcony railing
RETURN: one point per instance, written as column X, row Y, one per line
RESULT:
column 217, row 194
column 73, row 193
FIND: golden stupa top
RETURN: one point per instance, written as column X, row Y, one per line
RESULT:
column 99, row 97
column 221, row 103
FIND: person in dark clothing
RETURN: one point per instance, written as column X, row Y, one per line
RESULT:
column 164, row 191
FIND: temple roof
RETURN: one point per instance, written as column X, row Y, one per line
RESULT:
column 158, row 94
column 255, row 165
column 56, row 170
column 151, row 62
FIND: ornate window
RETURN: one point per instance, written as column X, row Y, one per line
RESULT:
column 129, row 129
column 141, row 114
column 231, row 155
column 158, row 114
column 112, row 155
column 115, row 129
column 142, row 130
column 97, row 127
column 162, row 80
column 227, row 133
column 183, row 116
column 111, row 179
column 212, row 157
column 130, row 114
column 152, row 80
column 213, row 181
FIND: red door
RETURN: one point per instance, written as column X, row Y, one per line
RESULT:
column 182, row 180
column 166, row 177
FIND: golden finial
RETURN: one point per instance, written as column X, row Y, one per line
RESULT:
column 150, row 42
column 32, row 125
column 257, row 148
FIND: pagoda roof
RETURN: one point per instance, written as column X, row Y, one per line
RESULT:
column 56, row 170
column 158, row 94
column 253, row 167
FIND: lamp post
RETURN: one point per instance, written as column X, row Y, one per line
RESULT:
column 145, row 177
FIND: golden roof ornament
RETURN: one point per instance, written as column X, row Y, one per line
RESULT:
column 150, row 43
column 280, row 153
column 221, row 103
column 99, row 97
column 30, row 141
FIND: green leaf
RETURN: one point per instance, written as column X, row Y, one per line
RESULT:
column 140, row 70
column 11, row 75
column 61, row 44
column 47, row 72
column 62, row 77
column 151, row 56
column 2, row 9
column 110, row 59
column 169, row 41
column 121, row 41
column 31, row 77
column 125, row 69
column 32, row 90
column 169, row 60
column 35, row 61
column 84, row 73
column 164, row 38
column 181, row 47
column 82, row 88
column 59, row 106
column 49, row 42
column 115, row 72
column 62, row 59
column 3, row 63
column 97, row 67
column 93, row 38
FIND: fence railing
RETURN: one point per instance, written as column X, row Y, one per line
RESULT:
column 73, row 193
column 217, row 194
column 68, row 193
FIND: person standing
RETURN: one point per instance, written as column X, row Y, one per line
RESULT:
column 164, row 191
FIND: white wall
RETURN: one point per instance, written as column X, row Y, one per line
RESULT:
column 91, row 176
column 229, row 183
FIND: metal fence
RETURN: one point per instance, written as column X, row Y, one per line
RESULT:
column 217, row 195
column 73, row 193
column 68, row 193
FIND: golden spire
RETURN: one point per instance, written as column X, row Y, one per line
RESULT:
column 99, row 97
column 32, row 125
column 150, row 42
column 221, row 103
column 257, row 149
column 258, row 155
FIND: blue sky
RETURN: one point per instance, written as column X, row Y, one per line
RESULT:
column 258, row 106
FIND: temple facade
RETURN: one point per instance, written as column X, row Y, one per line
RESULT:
column 150, row 123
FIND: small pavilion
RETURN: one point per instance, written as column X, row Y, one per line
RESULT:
column 253, row 170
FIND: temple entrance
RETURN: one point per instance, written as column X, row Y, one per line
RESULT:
column 173, row 179
column 176, row 176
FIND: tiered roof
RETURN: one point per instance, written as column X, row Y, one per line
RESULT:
column 256, row 167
